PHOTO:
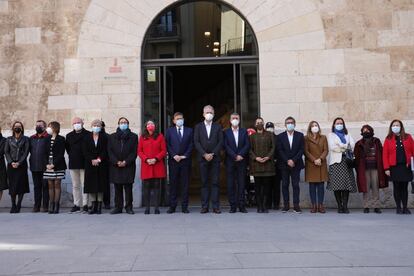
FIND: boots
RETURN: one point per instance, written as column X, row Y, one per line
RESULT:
column 99, row 208
column 56, row 209
column 321, row 209
column 345, row 197
column 313, row 209
column 51, row 207
column 93, row 208
column 338, row 198
column 13, row 208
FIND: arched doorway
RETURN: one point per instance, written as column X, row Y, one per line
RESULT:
column 197, row 53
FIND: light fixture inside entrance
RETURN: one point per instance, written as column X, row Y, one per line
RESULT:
column 207, row 34
column 216, row 43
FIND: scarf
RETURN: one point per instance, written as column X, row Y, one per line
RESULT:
column 341, row 136
column 122, row 135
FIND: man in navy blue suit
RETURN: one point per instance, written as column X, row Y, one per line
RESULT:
column 237, row 146
column 208, row 141
column 290, row 147
column 179, row 146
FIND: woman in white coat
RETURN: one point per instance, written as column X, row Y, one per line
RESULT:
column 341, row 174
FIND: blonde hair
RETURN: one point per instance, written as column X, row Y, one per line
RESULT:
column 96, row 122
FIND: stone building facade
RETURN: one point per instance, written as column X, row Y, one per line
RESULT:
column 318, row 59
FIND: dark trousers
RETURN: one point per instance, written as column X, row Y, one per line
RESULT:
column 107, row 194
column 261, row 186
column 236, row 181
column 151, row 185
column 317, row 192
column 210, row 171
column 179, row 175
column 273, row 199
column 41, row 190
column 287, row 176
column 401, row 194
column 119, row 195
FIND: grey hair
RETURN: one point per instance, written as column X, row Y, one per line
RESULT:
column 96, row 122
column 207, row 107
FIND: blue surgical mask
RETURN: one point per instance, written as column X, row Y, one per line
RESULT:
column 339, row 127
column 180, row 122
column 96, row 129
column 290, row 127
column 123, row 127
column 396, row 129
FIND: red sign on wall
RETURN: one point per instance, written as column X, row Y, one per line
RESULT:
column 115, row 68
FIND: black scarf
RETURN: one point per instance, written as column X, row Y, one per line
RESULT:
column 122, row 134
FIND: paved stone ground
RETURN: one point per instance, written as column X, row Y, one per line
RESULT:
column 195, row 244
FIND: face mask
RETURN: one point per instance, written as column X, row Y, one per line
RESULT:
column 315, row 129
column 259, row 126
column 123, row 127
column 209, row 117
column 96, row 129
column 151, row 128
column 396, row 129
column 235, row 122
column 367, row 134
column 270, row 129
column 339, row 127
column 18, row 130
column 77, row 127
column 49, row 130
column 290, row 127
column 39, row 130
column 180, row 122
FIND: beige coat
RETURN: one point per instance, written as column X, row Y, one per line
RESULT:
column 315, row 149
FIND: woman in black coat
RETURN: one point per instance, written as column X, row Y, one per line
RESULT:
column 56, row 165
column 122, row 151
column 95, row 151
column 3, row 173
column 16, row 151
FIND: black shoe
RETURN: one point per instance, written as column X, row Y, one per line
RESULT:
column 85, row 209
column 243, row 210
column 399, row 211
column 56, row 210
column 345, row 210
column 92, row 211
column 171, row 210
column 99, row 208
column 75, row 209
column 216, row 211
column 204, row 210
column 260, row 211
column 107, row 206
column 406, row 211
column 36, row 209
column 129, row 211
column 116, row 211
column 340, row 210
column 233, row 210
column 13, row 209
column 366, row 210
column 377, row 210
column 157, row 211
column 147, row 211
column 297, row 210
column 265, row 210
column 185, row 210
column 51, row 207
column 18, row 208
column 285, row 209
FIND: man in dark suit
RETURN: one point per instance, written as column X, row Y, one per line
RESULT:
column 208, row 141
column 179, row 146
column 290, row 147
column 237, row 146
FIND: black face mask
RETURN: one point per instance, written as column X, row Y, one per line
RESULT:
column 39, row 130
column 367, row 135
column 18, row 130
column 259, row 126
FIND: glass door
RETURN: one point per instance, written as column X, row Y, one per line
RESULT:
column 152, row 97
column 249, row 94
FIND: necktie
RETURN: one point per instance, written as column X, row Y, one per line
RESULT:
column 179, row 134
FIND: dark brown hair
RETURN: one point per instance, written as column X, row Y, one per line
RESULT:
column 145, row 132
column 290, row 118
column 55, row 126
column 370, row 129
column 309, row 132
column 124, row 119
column 14, row 124
column 402, row 131
column 333, row 125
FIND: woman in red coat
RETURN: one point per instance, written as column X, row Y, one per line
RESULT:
column 152, row 151
column 397, row 155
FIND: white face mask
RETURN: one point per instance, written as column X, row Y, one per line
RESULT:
column 315, row 129
column 235, row 122
column 180, row 122
column 77, row 126
column 209, row 117
column 49, row 130
column 270, row 129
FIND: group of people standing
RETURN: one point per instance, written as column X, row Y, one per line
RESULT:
column 97, row 159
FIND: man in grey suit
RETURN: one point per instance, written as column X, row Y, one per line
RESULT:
column 208, row 141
